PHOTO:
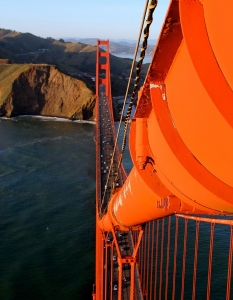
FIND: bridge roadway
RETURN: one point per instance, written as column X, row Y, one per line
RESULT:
column 106, row 128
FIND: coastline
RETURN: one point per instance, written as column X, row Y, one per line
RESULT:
column 48, row 118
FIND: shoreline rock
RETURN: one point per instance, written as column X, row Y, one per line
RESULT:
column 43, row 90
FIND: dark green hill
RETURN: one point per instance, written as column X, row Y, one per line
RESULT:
column 75, row 59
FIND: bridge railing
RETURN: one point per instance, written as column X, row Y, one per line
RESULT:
column 184, row 257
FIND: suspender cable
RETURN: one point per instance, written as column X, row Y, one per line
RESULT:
column 126, row 95
column 149, row 20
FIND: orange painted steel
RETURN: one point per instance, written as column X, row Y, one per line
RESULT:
column 156, row 256
column 161, row 262
column 229, row 266
column 168, row 252
column 97, row 294
column 210, row 260
column 184, row 259
column 191, row 272
column 104, row 65
column 175, row 262
column 99, row 259
column 181, row 134
column 195, row 261
column 152, row 258
column 180, row 143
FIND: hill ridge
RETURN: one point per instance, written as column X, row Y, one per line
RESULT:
column 75, row 59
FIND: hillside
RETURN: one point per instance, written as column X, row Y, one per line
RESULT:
column 118, row 47
column 43, row 90
column 8, row 73
column 75, row 59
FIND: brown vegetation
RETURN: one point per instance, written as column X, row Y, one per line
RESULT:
column 43, row 90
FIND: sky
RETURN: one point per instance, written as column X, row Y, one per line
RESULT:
column 102, row 19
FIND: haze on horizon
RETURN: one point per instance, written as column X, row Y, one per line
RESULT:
column 103, row 19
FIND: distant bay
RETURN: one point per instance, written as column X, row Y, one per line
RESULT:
column 147, row 58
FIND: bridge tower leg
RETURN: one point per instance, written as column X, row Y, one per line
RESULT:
column 103, row 64
column 103, row 88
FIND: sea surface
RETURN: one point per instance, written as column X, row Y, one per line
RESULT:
column 47, row 209
column 47, row 214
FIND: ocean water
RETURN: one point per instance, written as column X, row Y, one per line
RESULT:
column 147, row 59
column 47, row 214
column 47, row 209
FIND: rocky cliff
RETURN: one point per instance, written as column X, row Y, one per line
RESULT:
column 43, row 90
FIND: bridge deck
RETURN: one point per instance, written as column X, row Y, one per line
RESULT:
column 116, row 178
